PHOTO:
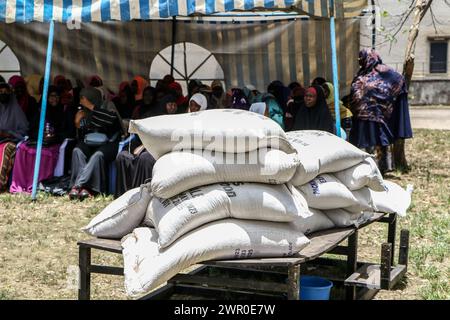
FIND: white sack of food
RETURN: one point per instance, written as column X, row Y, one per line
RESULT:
column 188, row 210
column 146, row 267
column 364, row 174
column 221, row 130
column 178, row 171
column 364, row 200
column 326, row 192
column 317, row 221
column 322, row 152
column 343, row 218
column 394, row 200
column 122, row 215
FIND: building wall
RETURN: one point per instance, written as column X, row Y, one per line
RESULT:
column 427, row 88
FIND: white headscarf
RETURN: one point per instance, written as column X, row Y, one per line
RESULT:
column 258, row 107
column 200, row 99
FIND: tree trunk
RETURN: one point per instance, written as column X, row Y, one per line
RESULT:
column 421, row 8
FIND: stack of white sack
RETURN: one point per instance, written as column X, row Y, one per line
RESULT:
column 341, row 180
column 220, row 190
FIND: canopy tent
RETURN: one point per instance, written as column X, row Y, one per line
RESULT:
column 25, row 11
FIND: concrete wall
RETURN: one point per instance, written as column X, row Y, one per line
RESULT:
column 427, row 88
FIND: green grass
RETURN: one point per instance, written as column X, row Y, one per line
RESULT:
column 39, row 251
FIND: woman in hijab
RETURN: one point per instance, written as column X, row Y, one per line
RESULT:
column 345, row 114
column 134, row 164
column 33, row 81
column 58, row 126
column 280, row 92
column 124, row 101
column 297, row 99
column 314, row 113
column 378, row 101
column 138, row 84
column 197, row 103
column 13, row 128
column 182, row 101
column 26, row 102
column 90, row 158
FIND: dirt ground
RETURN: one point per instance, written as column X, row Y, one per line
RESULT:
column 39, row 257
column 425, row 117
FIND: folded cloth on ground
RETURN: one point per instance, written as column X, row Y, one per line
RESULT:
column 322, row 152
column 364, row 174
column 221, row 130
column 343, row 218
column 178, row 171
column 122, row 215
column 146, row 267
column 252, row 201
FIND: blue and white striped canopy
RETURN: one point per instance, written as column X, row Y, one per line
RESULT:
column 24, row 11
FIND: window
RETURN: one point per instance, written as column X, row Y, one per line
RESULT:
column 191, row 62
column 9, row 65
column 438, row 57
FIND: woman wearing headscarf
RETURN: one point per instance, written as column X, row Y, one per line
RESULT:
column 33, row 86
column 182, row 101
column 345, row 114
column 58, row 126
column 198, row 102
column 314, row 113
column 13, row 128
column 100, row 135
column 134, row 164
column 138, row 84
column 297, row 99
column 124, row 101
column 26, row 102
column 380, row 107
column 218, row 96
column 274, row 110
column 280, row 92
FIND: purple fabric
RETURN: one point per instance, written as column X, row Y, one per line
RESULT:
column 22, row 177
column 375, row 88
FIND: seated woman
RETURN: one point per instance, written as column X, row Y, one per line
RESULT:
column 314, row 114
column 100, row 134
column 345, row 114
column 198, row 102
column 26, row 102
column 13, row 128
column 135, row 165
column 124, row 101
column 58, row 126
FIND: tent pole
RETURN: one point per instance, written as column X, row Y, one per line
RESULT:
column 335, row 68
column 43, row 109
column 174, row 33
column 374, row 25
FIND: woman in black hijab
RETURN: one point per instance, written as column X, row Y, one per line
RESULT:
column 314, row 114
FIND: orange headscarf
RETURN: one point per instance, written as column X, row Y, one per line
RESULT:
column 142, row 84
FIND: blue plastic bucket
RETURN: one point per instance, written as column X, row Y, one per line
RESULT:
column 315, row 288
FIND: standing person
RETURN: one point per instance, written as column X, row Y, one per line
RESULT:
column 58, row 126
column 100, row 133
column 345, row 114
column 380, row 108
column 314, row 113
column 13, row 128
column 26, row 102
